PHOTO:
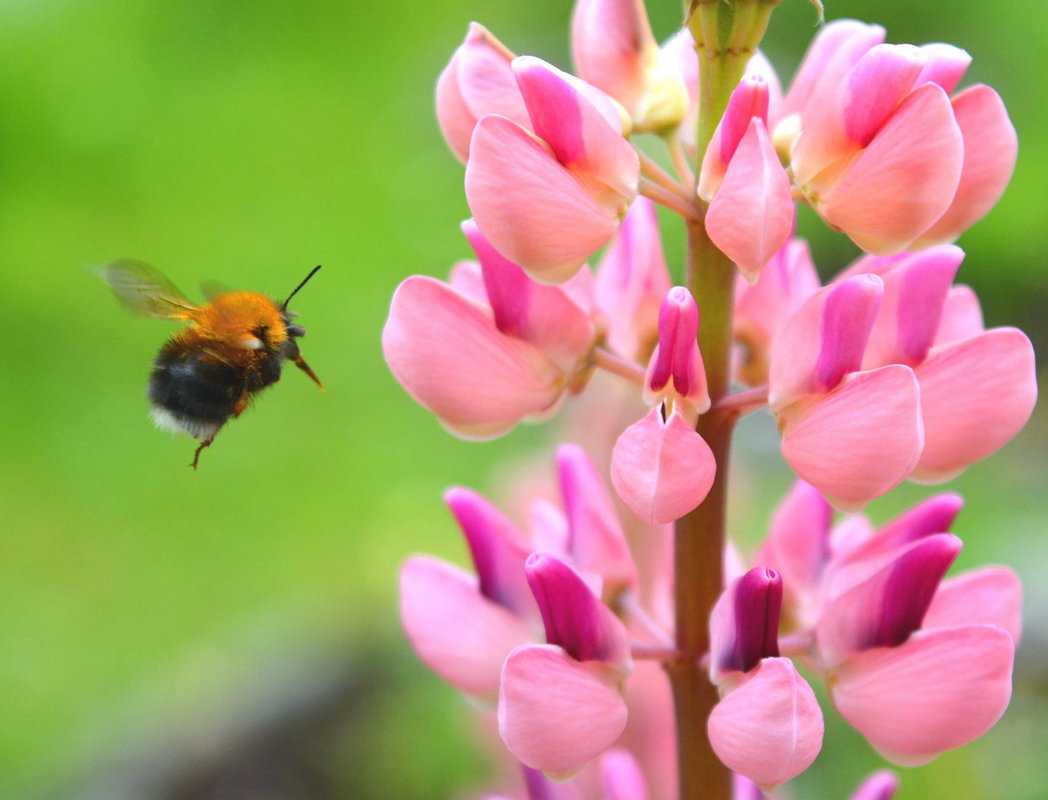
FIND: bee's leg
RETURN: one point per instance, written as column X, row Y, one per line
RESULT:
column 240, row 404
column 206, row 443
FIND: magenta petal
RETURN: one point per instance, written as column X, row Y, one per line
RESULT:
column 769, row 728
column 574, row 617
column 876, row 85
column 990, row 149
column 498, row 549
column 889, row 605
column 881, row 785
column 545, row 316
column 823, row 340
column 941, row 689
column 622, row 777
column 751, row 216
column 975, row 396
column 993, row 595
column 531, row 208
column 583, row 128
column 858, row 441
column 458, row 633
column 446, row 352
column 744, row 623
column 555, row 713
column 896, row 188
column 662, row 470
column 915, row 291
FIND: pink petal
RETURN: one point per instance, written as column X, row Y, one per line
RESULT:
column 990, row 148
column 611, row 43
column 751, row 216
column 446, row 352
column 631, row 281
column 662, row 470
column 530, row 207
column 975, row 396
column 579, row 127
column 961, row 316
column 903, row 181
column 457, row 632
column 860, row 440
column 940, row 690
column 477, row 81
column 944, row 64
column 770, row 727
column 992, row 595
column 555, row 713
column 833, row 52
column 596, row 539
column 798, row 546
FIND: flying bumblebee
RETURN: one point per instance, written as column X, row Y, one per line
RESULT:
column 209, row 371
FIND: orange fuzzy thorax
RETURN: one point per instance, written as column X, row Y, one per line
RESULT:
column 236, row 317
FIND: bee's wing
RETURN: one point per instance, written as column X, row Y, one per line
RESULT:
column 144, row 290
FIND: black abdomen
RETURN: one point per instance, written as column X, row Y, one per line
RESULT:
column 197, row 390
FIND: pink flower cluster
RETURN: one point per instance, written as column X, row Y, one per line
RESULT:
column 885, row 373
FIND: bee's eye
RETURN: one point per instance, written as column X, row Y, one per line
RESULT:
column 296, row 330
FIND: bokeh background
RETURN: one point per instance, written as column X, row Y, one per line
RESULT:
column 231, row 633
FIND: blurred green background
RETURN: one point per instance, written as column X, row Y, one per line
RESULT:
column 232, row 632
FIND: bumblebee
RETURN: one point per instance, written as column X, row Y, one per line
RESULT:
column 232, row 348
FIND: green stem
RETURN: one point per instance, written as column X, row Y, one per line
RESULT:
column 699, row 536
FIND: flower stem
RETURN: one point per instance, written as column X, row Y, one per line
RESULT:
column 671, row 200
column 617, row 365
column 699, row 536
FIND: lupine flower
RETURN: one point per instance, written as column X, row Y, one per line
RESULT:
column 917, row 664
column 977, row 387
column 461, row 626
column 880, row 150
column 613, row 49
column 852, row 433
column 660, row 466
column 490, row 350
column 768, row 725
column 560, row 703
column 549, row 197
column 911, row 689
column 751, row 210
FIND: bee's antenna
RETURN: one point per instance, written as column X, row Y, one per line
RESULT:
column 304, row 282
